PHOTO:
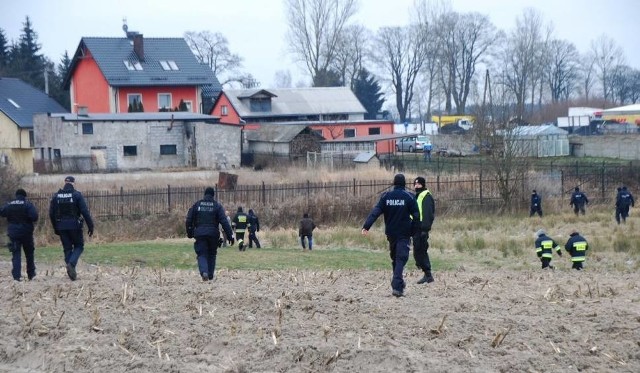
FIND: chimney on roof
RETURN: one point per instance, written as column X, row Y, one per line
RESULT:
column 138, row 46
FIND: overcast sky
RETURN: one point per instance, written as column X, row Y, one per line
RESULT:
column 256, row 28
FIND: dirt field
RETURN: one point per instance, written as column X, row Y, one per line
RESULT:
column 140, row 320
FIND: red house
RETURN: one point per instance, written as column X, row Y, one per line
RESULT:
column 332, row 112
column 119, row 75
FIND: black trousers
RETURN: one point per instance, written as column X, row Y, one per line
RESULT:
column 420, row 251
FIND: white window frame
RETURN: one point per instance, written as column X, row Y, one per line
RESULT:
column 224, row 110
column 189, row 104
column 170, row 101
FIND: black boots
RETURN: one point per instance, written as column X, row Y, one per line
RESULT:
column 428, row 278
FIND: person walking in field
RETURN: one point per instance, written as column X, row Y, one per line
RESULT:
column 427, row 209
column 305, row 231
column 577, row 246
column 536, row 204
column 240, row 223
column 68, row 211
column 545, row 247
column 202, row 223
column 254, row 227
column 401, row 218
column 21, row 215
column 578, row 200
column 624, row 200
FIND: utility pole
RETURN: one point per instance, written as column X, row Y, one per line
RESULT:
column 46, row 81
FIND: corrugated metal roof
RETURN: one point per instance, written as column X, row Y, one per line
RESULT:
column 622, row 110
column 546, row 129
column 298, row 101
column 110, row 54
column 275, row 133
column 137, row 117
column 20, row 101
column 364, row 157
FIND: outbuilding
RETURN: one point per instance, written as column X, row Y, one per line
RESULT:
column 538, row 141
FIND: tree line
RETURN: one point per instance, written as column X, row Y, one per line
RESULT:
column 438, row 61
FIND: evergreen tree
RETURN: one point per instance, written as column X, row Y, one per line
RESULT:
column 140, row 107
column 25, row 61
column 368, row 92
column 182, row 106
column 327, row 78
column 130, row 108
column 4, row 52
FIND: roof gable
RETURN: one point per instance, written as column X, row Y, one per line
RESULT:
column 167, row 62
column 20, row 102
column 298, row 101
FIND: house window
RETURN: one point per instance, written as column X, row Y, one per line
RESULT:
column 374, row 131
column 87, row 128
column 189, row 105
column 317, row 132
column 168, row 150
column 260, row 104
column 169, row 65
column 130, row 150
column 134, row 103
column 57, row 154
column 132, row 65
column 224, row 110
column 349, row 132
column 31, row 139
column 164, row 100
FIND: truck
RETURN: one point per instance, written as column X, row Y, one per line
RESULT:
column 453, row 123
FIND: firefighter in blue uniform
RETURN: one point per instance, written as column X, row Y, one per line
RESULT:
column 21, row 216
column 240, row 223
column 202, row 222
column 544, row 248
column 401, row 218
column 68, row 211
column 577, row 246
column 427, row 209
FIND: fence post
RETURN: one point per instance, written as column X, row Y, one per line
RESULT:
column 561, row 183
column 459, row 160
column 480, row 176
column 354, row 186
column 308, row 193
column 264, row 194
column 121, row 202
column 169, row 197
column 602, row 179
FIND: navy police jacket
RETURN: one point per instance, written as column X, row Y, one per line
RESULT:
column 400, row 210
column 205, row 216
column 21, row 215
column 68, row 209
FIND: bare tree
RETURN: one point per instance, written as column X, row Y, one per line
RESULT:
column 587, row 73
column 402, row 52
column 212, row 49
column 283, row 79
column 624, row 83
column 607, row 55
column 521, row 56
column 474, row 36
column 562, row 69
column 315, row 28
column 351, row 53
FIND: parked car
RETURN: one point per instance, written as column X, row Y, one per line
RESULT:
column 412, row 143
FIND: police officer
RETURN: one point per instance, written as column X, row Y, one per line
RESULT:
column 577, row 246
column 624, row 200
column 401, row 218
column 427, row 209
column 578, row 201
column 254, row 226
column 544, row 248
column 240, row 222
column 536, row 204
column 202, row 222
column 67, row 212
column 21, row 216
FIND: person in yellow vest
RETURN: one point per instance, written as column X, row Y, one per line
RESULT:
column 240, row 225
column 577, row 246
column 427, row 208
column 544, row 248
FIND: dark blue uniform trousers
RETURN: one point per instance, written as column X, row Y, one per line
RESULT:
column 26, row 243
column 206, row 248
column 72, row 244
column 399, row 252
